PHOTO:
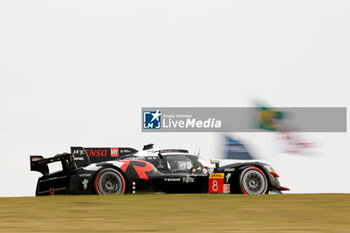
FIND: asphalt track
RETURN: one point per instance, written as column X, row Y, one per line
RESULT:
column 177, row 213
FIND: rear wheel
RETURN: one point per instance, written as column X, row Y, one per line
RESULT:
column 109, row 181
column 253, row 181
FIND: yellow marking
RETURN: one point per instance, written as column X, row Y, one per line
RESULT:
column 217, row 176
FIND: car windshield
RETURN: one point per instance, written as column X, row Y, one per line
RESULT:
column 179, row 163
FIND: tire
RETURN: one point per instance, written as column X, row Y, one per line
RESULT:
column 253, row 181
column 109, row 181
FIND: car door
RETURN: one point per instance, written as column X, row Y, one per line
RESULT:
column 182, row 175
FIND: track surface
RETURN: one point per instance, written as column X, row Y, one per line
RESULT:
column 177, row 213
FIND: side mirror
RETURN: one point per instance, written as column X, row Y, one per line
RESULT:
column 216, row 162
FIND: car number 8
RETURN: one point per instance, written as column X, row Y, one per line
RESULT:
column 215, row 186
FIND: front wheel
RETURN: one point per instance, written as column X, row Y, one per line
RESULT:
column 109, row 181
column 253, row 181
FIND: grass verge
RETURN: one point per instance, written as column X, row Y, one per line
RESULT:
column 177, row 213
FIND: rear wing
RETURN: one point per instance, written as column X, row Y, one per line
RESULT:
column 38, row 163
column 80, row 157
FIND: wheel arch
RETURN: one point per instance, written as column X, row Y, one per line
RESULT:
column 113, row 167
column 260, row 167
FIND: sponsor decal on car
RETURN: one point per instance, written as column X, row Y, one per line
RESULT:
column 228, row 177
column 114, row 152
column 216, row 183
column 126, row 151
column 227, row 188
column 96, row 152
column 137, row 158
column 172, row 179
column 78, row 151
column 188, row 179
column 217, row 176
column 141, row 167
column 85, row 183
column 229, row 169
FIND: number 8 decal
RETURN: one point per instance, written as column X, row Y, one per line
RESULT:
column 216, row 182
column 215, row 186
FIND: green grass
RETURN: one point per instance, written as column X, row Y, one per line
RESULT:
column 177, row 213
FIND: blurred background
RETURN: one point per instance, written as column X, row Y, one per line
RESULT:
column 78, row 73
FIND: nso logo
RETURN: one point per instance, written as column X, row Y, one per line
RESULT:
column 152, row 119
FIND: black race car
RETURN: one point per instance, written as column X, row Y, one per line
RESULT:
column 125, row 170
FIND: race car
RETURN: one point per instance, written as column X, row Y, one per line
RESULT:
column 121, row 170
